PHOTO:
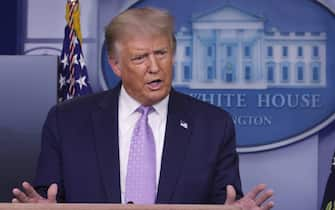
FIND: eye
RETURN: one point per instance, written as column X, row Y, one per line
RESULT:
column 138, row 59
column 161, row 53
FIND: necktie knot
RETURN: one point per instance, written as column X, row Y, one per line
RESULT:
column 145, row 110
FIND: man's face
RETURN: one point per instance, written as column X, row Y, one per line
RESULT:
column 144, row 65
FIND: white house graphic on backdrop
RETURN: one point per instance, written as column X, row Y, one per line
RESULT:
column 228, row 48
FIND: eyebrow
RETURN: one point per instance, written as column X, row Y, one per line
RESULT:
column 144, row 49
column 161, row 49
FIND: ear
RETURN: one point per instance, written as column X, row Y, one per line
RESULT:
column 115, row 65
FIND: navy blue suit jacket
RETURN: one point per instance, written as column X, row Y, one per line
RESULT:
column 80, row 151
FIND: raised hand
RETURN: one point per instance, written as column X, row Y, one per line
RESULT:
column 29, row 195
column 253, row 200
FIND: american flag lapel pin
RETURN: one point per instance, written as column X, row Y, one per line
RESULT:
column 183, row 124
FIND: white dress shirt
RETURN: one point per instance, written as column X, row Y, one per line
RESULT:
column 128, row 118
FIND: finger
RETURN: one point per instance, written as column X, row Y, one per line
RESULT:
column 263, row 197
column 268, row 206
column 255, row 191
column 30, row 191
column 20, row 196
column 230, row 195
column 52, row 193
column 14, row 200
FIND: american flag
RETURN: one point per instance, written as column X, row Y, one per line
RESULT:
column 328, row 202
column 72, row 75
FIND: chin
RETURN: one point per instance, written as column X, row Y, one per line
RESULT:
column 156, row 98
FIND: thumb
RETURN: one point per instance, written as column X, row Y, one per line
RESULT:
column 52, row 193
column 230, row 195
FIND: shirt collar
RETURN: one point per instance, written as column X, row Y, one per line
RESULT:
column 129, row 105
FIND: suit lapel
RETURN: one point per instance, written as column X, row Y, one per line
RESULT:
column 177, row 134
column 105, row 121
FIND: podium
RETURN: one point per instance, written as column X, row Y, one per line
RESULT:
column 11, row 206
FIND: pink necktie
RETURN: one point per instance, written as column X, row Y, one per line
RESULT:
column 141, row 168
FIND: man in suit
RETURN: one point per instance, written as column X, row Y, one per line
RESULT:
column 141, row 142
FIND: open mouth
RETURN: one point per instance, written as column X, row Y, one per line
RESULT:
column 155, row 84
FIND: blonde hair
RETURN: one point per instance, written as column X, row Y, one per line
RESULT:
column 144, row 21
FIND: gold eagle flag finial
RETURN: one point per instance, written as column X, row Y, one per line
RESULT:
column 72, row 17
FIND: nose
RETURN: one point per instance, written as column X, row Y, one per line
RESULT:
column 153, row 64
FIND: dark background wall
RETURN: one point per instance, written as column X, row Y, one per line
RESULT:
column 11, row 36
